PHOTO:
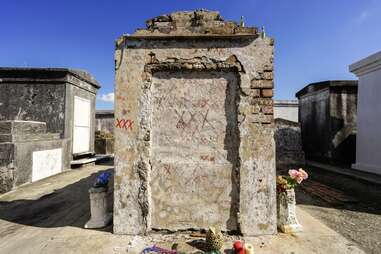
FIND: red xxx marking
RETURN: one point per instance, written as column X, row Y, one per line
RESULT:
column 123, row 123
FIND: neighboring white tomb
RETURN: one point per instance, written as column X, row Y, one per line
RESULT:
column 286, row 109
column 62, row 98
column 368, row 142
column 29, row 153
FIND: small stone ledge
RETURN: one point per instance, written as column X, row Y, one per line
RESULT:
column 261, row 104
column 197, row 63
column 44, row 75
column 199, row 23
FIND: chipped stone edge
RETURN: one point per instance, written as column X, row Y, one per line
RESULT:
column 143, row 165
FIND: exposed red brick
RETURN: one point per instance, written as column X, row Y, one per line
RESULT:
column 261, row 118
column 262, row 84
column 267, row 93
column 267, row 110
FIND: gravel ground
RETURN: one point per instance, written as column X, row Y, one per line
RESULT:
column 359, row 222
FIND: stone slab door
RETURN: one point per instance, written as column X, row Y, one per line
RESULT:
column 82, row 128
column 194, row 151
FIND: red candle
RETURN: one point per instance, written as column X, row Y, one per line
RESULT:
column 238, row 247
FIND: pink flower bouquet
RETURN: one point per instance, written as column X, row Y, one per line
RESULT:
column 294, row 178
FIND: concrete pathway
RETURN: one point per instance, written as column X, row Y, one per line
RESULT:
column 333, row 204
column 353, row 173
column 48, row 217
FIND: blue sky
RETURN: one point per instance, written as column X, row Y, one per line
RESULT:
column 314, row 40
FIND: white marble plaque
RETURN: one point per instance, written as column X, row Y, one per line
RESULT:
column 46, row 163
column 81, row 133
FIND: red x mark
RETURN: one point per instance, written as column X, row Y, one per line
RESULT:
column 122, row 123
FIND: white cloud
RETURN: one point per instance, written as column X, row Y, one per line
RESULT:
column 108, row 97
column 364, row 15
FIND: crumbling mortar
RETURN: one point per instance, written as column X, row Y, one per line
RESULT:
column 197, row 63
column 142, row 168
column 143, row 191
column 237, row 166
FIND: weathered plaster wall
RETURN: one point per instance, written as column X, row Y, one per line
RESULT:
column 24, row 157
column 37, row 102
column 327, row 113
column 104, row 145
column 20, row 139
column 104, row 121
column 194, row 150
column 343, row 113
column 289, row 151
column 286, row 109
column 7, row 172
column 47, row 95
column 313, row 117
column 151, row 57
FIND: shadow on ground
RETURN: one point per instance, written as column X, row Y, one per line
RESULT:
column 368, row 195
column 358, row 221
column 199, row 244
column 202, row 246
column 69, row 206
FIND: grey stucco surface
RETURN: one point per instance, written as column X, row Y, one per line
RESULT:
column 328, row 118
column 7, row 172
column 288, row 140
column 286, row 109
column 22, row 127
column 37, row 102
column 16, row 154
column 47, row 95
column 104, row 121
column 24, row 161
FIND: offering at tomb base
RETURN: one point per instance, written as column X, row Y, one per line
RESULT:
column 294, row 178
column 214, row 239
column 238, row 247
column 249, row 249
column 102, row 180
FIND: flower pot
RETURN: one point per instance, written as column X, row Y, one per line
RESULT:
column 287, row 221
column 100, row 217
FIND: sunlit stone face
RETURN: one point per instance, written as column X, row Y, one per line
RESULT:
column 194, row 150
